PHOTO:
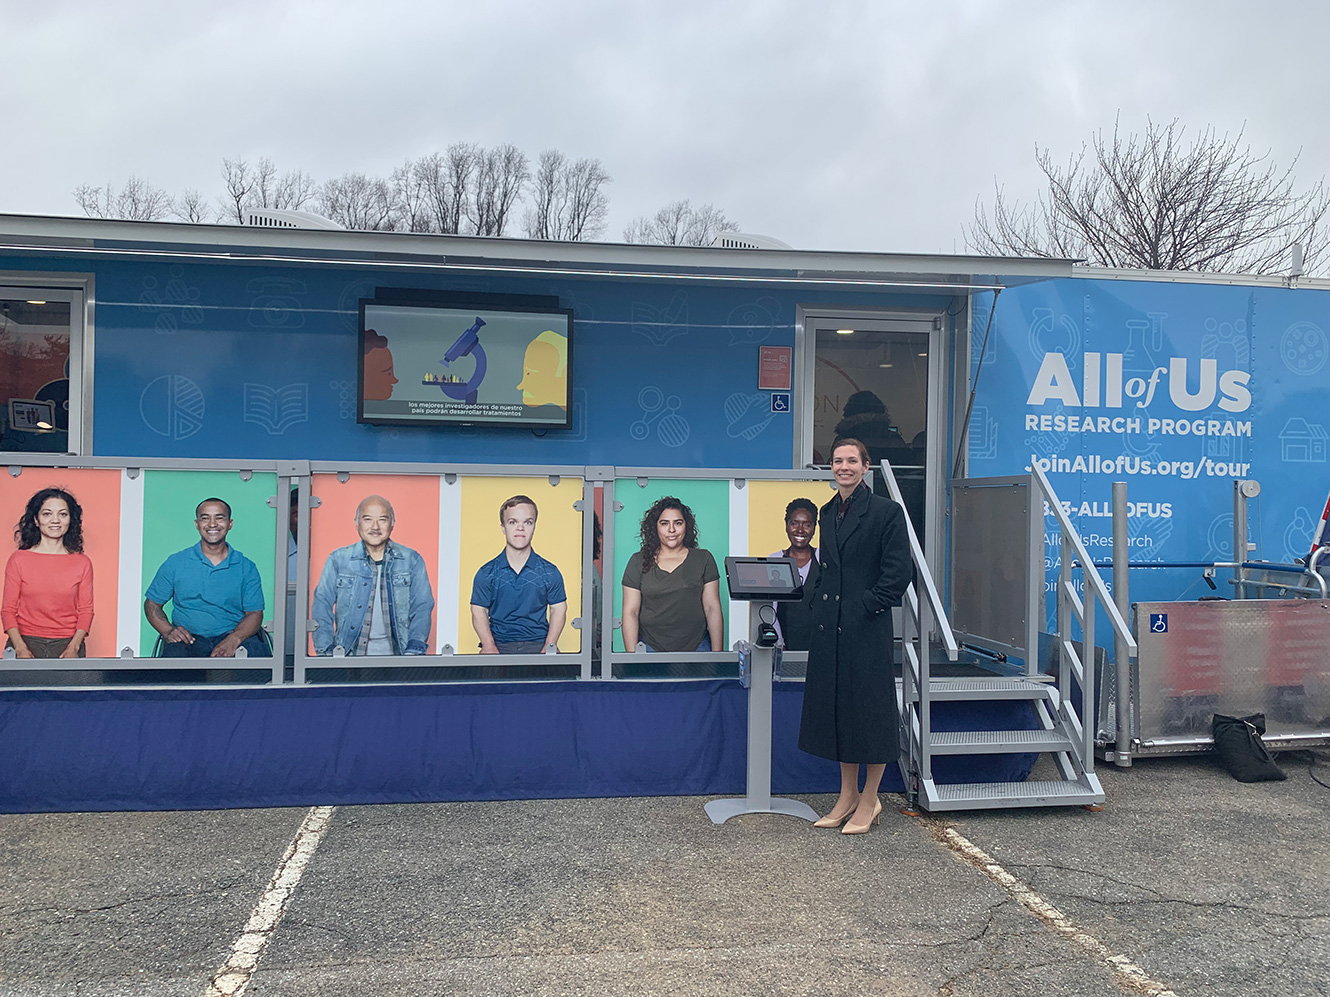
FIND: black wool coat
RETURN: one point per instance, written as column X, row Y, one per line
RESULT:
column 849, row 710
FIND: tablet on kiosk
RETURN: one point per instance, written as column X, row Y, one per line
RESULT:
column 763, row 579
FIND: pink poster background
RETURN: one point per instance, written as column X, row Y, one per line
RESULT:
column 98, row 493
column 415, row 502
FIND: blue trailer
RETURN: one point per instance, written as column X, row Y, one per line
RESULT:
column 155, row 346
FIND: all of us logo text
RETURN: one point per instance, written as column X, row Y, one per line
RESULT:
column 1103, row 385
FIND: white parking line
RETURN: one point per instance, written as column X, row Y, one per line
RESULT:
column 1126, row 974
column 234, row 976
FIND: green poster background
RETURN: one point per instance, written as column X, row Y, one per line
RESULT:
column 169, row 499
column 710, row 502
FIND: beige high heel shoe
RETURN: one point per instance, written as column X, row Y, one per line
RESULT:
column 863, row 828
column 831, row 820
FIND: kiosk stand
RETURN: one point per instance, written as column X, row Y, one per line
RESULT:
column 757, row 579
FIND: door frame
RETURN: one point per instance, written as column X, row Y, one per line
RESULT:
column 936, row 323
column 78, row 290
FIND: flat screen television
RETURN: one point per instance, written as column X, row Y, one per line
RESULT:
column 423, row 363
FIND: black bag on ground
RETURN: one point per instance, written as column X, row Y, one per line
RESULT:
column 1239, row 746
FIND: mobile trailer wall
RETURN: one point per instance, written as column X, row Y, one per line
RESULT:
column 1175, row 386
column 219, row 359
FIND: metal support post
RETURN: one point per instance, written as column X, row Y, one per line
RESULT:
column 1121, row 658
column 758, row 799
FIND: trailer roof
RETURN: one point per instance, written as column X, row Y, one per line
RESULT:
column 107, row 238
column 955, row 273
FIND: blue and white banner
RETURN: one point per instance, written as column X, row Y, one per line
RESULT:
column 1177, row 389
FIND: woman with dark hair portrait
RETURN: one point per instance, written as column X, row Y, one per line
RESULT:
column 47, row 605
column 671, row 587
column 849, row 710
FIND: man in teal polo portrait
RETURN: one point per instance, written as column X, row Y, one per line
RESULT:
column 215, row 593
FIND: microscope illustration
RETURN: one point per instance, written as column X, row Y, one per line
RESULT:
column 468, row 344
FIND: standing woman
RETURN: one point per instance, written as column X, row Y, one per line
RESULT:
column 47, row 605
column 849, row 711
column 671, row 587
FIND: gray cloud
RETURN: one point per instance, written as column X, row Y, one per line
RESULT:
column 842, row 125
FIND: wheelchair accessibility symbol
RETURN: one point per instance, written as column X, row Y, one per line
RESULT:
column 1159, row 623
column 780, row 401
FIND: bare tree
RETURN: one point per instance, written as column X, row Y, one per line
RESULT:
column 263, row 186
column 460, row 164
column 568, row 200
column 411, row 197
column 358, row 201
column 239, row 181
column 191, row 207
column 679, row 224
column 432, row 191
column 289, row 191
column 137, row 200
column 1154, row 202
column 499, row 177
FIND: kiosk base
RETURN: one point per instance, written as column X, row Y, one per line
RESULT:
column 722, row 810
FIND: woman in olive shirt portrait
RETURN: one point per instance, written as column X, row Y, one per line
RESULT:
column 671, row 588
column 47, row 604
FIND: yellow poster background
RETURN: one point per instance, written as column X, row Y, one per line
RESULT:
column 766, row 511
column 558, row 540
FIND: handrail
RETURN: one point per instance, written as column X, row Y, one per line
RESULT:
column 917, row 555
column 916, row 705
column 1070, row 606
column 1092, row 578
column 1308, row 570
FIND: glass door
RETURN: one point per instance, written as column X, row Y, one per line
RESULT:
column 873, row 380
column 40, row 369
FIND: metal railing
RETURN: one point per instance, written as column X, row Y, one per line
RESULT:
column 919, row 619
column 597, row 483
column 1073, row 664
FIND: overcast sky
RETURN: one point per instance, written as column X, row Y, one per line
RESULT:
column 868, row 125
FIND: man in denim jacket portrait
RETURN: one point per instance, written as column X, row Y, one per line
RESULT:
column 374, row 596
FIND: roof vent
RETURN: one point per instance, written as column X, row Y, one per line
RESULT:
column 275, row 218
column 748, row 240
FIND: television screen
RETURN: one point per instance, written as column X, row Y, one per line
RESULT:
column 472, row 365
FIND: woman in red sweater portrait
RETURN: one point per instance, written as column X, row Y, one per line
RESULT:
column 47, row 605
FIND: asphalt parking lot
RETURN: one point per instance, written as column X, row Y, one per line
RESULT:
column 1194, row 883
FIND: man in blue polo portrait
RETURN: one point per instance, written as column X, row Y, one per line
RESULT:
column 518, row 603
column 215, row 593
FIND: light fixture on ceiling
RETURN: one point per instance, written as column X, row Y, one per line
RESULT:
column 44, row 425
column 922, row 354
column 36, row 302
column 884, row 365
column 845, row 332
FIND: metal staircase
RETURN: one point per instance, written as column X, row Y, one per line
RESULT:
column 1059, row 703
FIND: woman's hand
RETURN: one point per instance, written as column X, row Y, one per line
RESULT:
column 74, row 649
column 19, row 645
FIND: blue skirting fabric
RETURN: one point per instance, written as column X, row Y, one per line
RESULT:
column 193, row 749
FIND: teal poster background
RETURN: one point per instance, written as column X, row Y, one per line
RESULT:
column 169, row 500
column 710, row 503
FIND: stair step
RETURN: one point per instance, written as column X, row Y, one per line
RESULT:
column 989, row 688
column 994, row 795
column 971, row 742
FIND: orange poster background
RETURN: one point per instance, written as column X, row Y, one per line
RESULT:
column 98, row 494
column 415, row 502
